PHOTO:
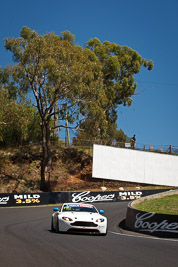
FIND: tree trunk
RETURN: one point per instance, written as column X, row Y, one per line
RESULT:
column 55, row 131
column 46, row 157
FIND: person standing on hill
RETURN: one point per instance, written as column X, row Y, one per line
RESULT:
column 133, row 142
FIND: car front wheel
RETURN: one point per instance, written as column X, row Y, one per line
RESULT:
column 57, row 225
column 52, row 227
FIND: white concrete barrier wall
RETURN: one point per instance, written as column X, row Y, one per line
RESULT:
column 134, row 166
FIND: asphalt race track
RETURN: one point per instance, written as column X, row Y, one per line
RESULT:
column 26, row 240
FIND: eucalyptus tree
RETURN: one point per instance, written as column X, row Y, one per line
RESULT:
column 120, row 64
column 56, row 71
column 83, row 85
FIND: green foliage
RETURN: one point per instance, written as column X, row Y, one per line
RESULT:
column 68, row 36
column 72, row 84
column 84, row 84
column 64, row 79
column 90, row 134
column 119, row 65
column 56, row 70
column 17, row 121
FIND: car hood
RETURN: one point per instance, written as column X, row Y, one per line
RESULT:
column 84, row 216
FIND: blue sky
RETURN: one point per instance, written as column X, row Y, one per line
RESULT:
column 149, row 27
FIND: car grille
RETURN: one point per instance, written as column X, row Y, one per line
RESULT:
column 81, row 231
column 87, row 224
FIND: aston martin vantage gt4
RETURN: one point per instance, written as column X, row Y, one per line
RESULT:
column 79, row 218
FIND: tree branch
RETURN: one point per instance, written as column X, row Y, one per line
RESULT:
column 3, row 123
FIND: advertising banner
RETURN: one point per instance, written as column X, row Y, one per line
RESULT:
column 36, row 199
column 131, row 165
column 161, row 225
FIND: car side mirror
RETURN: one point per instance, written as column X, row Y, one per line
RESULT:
column 55, row 209
column 101, row 211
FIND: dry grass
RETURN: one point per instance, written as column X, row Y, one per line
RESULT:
column 71, row 171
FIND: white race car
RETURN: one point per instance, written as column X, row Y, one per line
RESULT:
column 79, row 218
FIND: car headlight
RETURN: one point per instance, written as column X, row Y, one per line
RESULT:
column 100, row 220
column 67, row 219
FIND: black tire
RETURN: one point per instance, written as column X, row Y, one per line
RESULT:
column 57, row 225
column 52, row 228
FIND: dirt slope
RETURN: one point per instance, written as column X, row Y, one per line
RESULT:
column 71, row 171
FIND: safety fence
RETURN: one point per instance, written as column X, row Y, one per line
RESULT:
column 88, row 144
column 84, row 144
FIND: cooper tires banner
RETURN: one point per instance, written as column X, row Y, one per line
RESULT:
column 36, row 199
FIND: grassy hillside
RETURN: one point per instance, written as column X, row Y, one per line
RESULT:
column 164, row 205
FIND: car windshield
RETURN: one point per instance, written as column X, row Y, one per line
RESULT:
column 79, row 208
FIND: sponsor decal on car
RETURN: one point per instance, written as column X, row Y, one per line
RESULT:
column 79, row 205
column 70, row 206
column 4, row 200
